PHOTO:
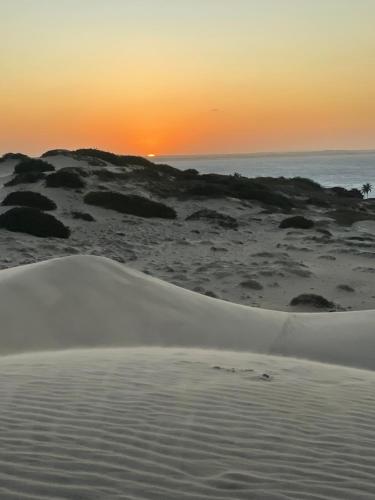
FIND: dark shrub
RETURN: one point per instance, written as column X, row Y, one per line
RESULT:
column 313, row 300
column 208, row 190
column 218, row 218
column 345, row 288
column 26, row 178
column 119, row 160
column 56, row 152
column 298, row 222
column 65, row 178
column 348, row 217
column 13, row 156
column 347, row 193
column 31, row 165
column 252, row 284
column 29, row 199
column 318, row 201
column 107, row 175
column 33, row 221
column 218, row 186
column 190, row 173
column 83, row 216
column 95, row 162
column 130, row 204
column 305, row 184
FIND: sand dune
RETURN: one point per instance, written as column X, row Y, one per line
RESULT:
column 152, row 423
column 147, row 420
column 86, row 301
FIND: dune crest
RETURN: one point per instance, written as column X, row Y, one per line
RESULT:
column 87, row 301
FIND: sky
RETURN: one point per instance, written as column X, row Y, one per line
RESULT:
column 187, row 76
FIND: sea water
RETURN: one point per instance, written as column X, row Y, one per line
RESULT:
column 349, row 169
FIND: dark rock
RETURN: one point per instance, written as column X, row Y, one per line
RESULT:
column 83, row 216
column 69, row 177
column 313, row 300
column 222, row 220
column 252, row 284
column 29, row 199
column 33, row 221
column 31, row 165
column 297, row 221
column 130, row 204
column 211, row 294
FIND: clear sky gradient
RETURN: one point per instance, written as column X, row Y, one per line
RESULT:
column 187, row 76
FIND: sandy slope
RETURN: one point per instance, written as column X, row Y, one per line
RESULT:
column 202, row 256
column 85, row 301
column 163, row 424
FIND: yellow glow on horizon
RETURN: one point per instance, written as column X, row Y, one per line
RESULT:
column 187, row 77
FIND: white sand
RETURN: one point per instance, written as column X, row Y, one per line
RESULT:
column 166, row 423
column 202, row 256
column 106, row 392
column 86, row 301
column 151, row 423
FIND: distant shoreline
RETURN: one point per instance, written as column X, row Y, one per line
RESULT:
column 322, row 152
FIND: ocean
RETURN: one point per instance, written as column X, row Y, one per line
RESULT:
column 349, row 169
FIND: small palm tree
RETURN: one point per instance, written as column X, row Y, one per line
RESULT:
column 366, row 189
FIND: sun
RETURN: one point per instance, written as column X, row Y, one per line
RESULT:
column 151, row 155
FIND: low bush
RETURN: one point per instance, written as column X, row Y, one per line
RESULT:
column 129, row 204
column 29, row 199
column 31, row 165
column 33, row 221
column 66, row 178
column 297, row 222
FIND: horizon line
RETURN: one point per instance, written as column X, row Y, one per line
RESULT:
column 155, row 156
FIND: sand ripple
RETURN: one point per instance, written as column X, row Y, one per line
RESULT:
column 154, row 423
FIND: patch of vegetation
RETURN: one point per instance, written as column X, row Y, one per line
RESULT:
column 57, row 152
column 108, row 176
column 26, row 178
column 345, row 288
column 222, row 220
column 31, row 165
column 29, row 199
column 298, row 222
column 33, row 221
column 119, row 160
column 218, row 186
column 252, row 285
column 13, row 156
column 348, row 217
column 313, row 300
column 69, row 177
column 347, row 193
column 83, row 216
column 129, row 204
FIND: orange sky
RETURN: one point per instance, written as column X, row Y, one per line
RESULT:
column 201, row 76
